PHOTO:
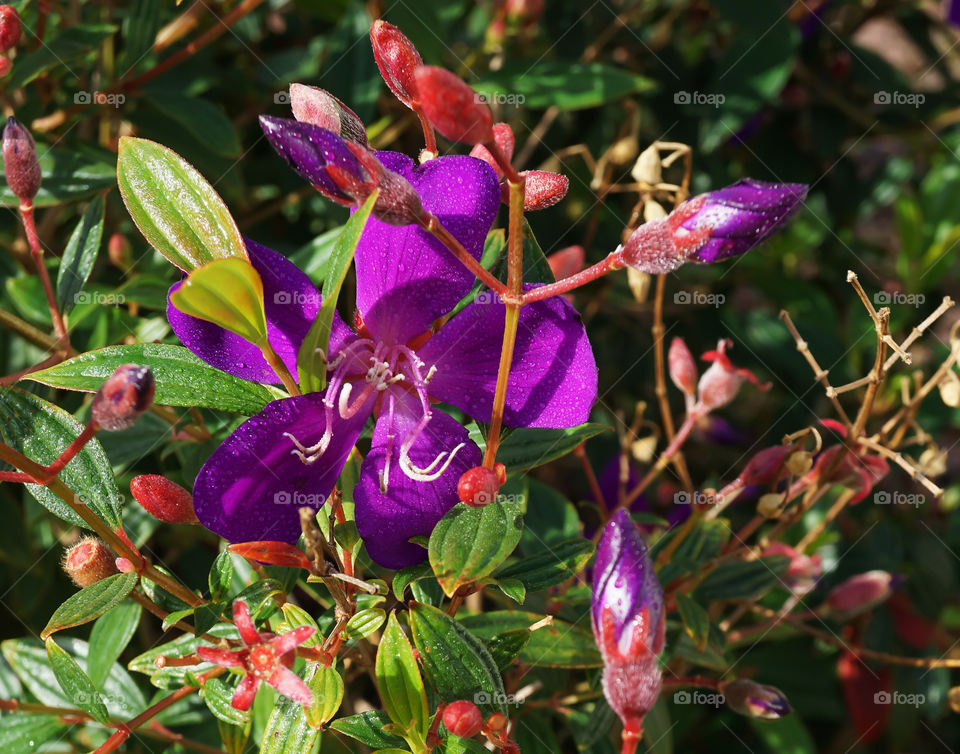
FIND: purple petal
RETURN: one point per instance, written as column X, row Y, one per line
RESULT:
column 624, row 580
column 252, row 486
column 386, row 521
column 953, row 12
column 553, row 380
column 308, row 149
column 744, row 215
column 291, row 303
column 405, row 277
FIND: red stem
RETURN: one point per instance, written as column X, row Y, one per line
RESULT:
column 33, row 241
column 609, row 264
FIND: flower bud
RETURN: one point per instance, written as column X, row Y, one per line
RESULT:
column 120, row 251
column 628, row 621
column 721, row 382
column 126, row 394
column 542, row 189
column 503, row 138
column 682, row 367
column 804, row 570
column 6, row 65
column 566, row 262
column 10, row 28
column 767, row 465
column 462, row 718
column 860, row 593
column 753, row 700
column 313, row 105
column 20, row 161
column 397, row 60
column 479, row 486
column 497, row 722
column 88, row 562
column 452, row 107
column 163, row 499
column 771, row 505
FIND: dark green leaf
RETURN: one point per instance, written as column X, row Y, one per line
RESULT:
column 506, row 647
column 788, row 735
column 742, row 579
column 181, row 378
column 139, row 31
column 204, row 120
column 409, row 575
column 220, row 576
column 218, row 697
column 79, row 256
column 559, row 645
column 696, row 622
column 27, row 732
column 398, row 679
column 76, row 40
column 551, row 567
column 526, row 448
column 76, row 685
column 455, row 745
column 109, row 637
column 90, row 602
column 367, row 728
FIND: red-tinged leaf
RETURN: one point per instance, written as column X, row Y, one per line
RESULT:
column 272, row 553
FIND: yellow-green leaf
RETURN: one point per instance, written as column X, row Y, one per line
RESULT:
column 90, row 602
column 327, row 687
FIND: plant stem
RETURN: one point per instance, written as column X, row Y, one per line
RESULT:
column 432, row 225
column 277, row 365
column 581, row 454
column 610, row 263
column 429, row 137
column 36, row 251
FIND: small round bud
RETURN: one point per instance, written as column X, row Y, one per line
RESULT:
column 123, row 397
column 6, row 65
column 10, row 28
column 754, row 700
column 163, row 499
column 799, row 463
column 682, row 367
column 496, row 722
column 503, row 138
column 120, row 251
column 452, row 107
column 397, row 60
column 542, row 189
column 88, row 562
column 311, row 104
column 20, row 161
column 463, row 718
column 479, row 486
column 771, row 504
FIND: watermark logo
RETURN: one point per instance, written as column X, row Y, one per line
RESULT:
column 298, row 498
column 697, row 498
column 883, row 298
column 498, row 98
column 699, row 298
column 99, row 98
column 899, row 498
column 706, row 698
column 102, row 299
column 487, row 297
column 497, row 698
column 909, row 99
column 291, row 297
column 896, row 697
column 698, row 98
column 281, row 98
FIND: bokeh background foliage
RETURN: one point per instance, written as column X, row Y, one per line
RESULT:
column 858, row 99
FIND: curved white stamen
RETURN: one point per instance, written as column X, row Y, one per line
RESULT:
column 424, row 475
column 391, row 438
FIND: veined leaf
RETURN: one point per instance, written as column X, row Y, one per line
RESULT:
column 80, row 254
column 90, row 602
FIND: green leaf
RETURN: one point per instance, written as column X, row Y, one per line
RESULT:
column 528, row 447
column 218, row 698
column 204, row 120
column 506, row 647
column 469, row 543
column 174, row 207
column 42, row 431
column 76, row 685
column 455, row 745
column 551, row 567
column 295, row 616
column 22, row 733
column 327, row 687
column 514, row 589
column 788, row 735
column 67, row 175
column 183, row 646
column 563, row 84
column 398, row 679
column 229, row 293
column 90, row 602
column 696, row 622
column 657, row 728
column 560, row 644
column 742, row 580
column 311, row 364
column 365, row 623
column 457, row 664
column 109, row 637
column 140, row 27
column 77, row 40
column 410, row 575
column 80, row 254
column 367, row 728
column 181, row 378
column 288, row 731
column 220, row 576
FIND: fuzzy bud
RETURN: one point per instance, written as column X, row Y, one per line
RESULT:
column 397, row 60
column 10, row 28
column 503, row 138
column 754, row 700
column 462, row 718
column 542, row 189
column 479, row 486
column 20, row 161
column 452, row 107
column 311, row 104
column 860, row 593
column 163, row 499
column 682, row 367
column 88, row 562
column 126, row 394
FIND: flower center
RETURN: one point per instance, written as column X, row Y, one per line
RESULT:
column 379, row 368
column 262, row 660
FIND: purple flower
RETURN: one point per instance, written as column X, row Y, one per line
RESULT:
column 628, row 621
column 714, row 226
column 398, row 364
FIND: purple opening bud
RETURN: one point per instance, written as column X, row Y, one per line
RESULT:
column 126, row 394
column 753, row 700
column 20, row 162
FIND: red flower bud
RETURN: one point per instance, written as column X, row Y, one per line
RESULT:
column 567, row 262
column 163, row 499
column 6, row 65
column 20, row 161
column 317, row 106
column 452, row 107
column 126, row 394
column 272, row 553
column 88, row 562
column 10, row 28
column 766, row 465
column 542, row 189
column 503, row 138
column 682, row 367
column 462, row 718
column 479, row 486
column 860, row 593
column 720, row 383
column 397, row 60
column 496, row 722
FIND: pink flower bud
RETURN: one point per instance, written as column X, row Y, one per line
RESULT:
column 503, row 138
column 860, row 593
column 163, row 499
column 88, row 562
column 317, row 106
column 567, row 262
column 720, row 383
column 753, row 700
column 803, row 571
column 20, row 161
column 120, row 251
column 10, row 28
column 397, row 60
column 462, row 718
column 682, row 367
column 126, row 394
column 766, row 465
column 452, row 107
column 542, row 189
